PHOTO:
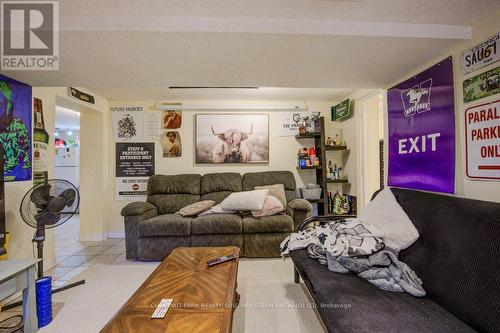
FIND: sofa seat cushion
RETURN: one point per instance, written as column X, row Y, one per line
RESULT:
column 274, row 223
column 217, row 224
column 348, row 303
column 165, row 225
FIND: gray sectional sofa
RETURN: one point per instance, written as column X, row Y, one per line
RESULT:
column 153, row 230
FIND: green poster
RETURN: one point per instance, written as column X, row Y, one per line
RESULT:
column 482, row 85
column 341, row 111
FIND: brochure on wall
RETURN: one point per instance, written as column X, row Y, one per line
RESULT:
column 481, row 55
column 289, row 122
column 135, row 163
column 422, row 131
column 15, row 129
column 152, row 125
column 482, row 141
column 128, row 123
column 482, row 85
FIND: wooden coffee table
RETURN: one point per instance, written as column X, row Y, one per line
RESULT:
column 204, row 297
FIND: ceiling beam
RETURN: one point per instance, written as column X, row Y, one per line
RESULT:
column 263, row 26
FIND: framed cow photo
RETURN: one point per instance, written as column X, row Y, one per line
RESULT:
column 232, row 138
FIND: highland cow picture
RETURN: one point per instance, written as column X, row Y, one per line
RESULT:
column 232, row 138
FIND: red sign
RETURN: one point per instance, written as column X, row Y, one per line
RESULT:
column 482, row 141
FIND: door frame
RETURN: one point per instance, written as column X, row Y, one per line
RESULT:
column 362, row 137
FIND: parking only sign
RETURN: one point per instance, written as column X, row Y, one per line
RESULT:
column 482, row 142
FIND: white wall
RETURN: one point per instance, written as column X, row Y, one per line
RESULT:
column 21, row 234
column 283, row 150
column 464, row 187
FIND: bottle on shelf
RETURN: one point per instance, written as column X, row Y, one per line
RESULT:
column 312, row 156
column 330, row 203
column 329, row 141
column 301, row 159
column 330, row 170
column 338, row 140
column 341, row 173
column 335, row 172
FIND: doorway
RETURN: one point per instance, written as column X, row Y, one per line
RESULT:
column 372, row 145
column 67, row 167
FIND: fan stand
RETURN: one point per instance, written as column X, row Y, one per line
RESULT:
column 39, row 238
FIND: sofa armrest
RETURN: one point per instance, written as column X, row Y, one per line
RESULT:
column 300, row 205
column 138, row 208
column 133, row 214
column 299, row 210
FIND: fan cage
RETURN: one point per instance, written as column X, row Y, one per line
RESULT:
column 28, row 209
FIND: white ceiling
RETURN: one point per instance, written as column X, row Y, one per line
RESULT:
column 457, row 12
column 336, row 44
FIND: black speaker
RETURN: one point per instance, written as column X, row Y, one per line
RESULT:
column 2, row 207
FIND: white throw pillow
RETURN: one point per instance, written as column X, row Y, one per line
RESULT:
column 385, row 218
column 246, row 200
column 272, row 206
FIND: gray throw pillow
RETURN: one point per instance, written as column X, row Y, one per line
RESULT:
column 196, row 208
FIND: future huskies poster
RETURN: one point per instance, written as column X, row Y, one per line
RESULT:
column 422, row 131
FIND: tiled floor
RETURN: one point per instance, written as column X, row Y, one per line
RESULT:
column 73, row 256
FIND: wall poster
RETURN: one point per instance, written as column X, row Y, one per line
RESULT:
column 289, row 122
column 40, row 144
column 135, row 163
column 482, row 85
column 422, row 131
column 482, row 141
column 15, row 128
column 128, row 123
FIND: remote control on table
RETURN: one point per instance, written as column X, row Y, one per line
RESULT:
column 162, row 308
column 220, row 260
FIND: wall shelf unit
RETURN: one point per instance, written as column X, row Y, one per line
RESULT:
column 322, row 170
column 310, row 168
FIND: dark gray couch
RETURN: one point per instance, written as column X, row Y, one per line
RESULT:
column 457, row 257
column 152, row 229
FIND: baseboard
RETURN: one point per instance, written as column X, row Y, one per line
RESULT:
column 116, row 234
column 93, row 238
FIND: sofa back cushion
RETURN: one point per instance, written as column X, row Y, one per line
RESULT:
column 252, row 179
column 171, row 193
column 457, row 255
column 218, row 186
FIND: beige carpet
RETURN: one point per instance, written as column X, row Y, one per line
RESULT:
column 270, row 301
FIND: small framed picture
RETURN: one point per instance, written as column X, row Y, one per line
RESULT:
column 171, row 144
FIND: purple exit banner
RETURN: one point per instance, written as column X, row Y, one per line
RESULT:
column 421, row 134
